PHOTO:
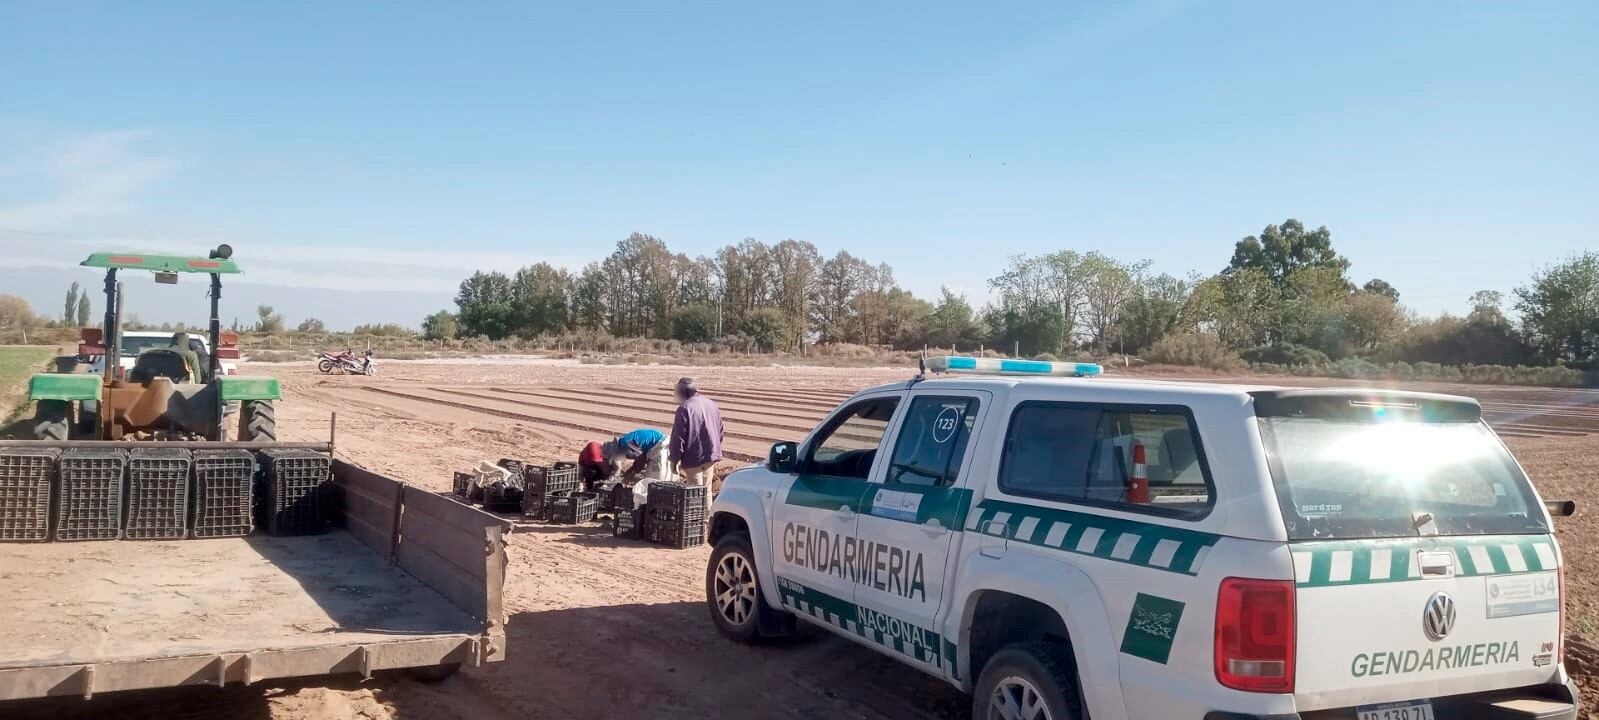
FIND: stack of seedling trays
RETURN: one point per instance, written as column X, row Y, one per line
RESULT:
column 676, row 514
column 570, row 507
column 157, row 493
column 506, row 494
column 27, row 477
column 89, row 495
column 541, row 482
column 223, row 481
column 293, row 492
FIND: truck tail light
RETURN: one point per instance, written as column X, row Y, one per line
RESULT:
column 1255, row 635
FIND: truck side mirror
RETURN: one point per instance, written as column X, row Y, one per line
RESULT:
column 781, row 459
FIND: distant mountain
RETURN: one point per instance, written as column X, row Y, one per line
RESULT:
column 45, row 289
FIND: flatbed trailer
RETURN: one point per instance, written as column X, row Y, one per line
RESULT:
column 407, row 579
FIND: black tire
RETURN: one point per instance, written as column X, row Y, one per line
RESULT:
column 88, row 426
column 325, row 367
column 51, row 419
column 434, row 674
column 258, row 421
column 738, row 609
column 1038, row 674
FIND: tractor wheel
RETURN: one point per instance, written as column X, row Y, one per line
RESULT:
column 258, row 421
column 89, row 419
column 51, row 419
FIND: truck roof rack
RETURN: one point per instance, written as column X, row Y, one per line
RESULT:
column 1001, row 366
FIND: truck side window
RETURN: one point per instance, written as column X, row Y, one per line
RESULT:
column 1090, row 453
column 847, row 446
column 932, row 441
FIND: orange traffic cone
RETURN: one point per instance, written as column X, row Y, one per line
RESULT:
column 1138, row 484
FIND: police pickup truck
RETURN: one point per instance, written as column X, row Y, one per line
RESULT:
column 1066, row 547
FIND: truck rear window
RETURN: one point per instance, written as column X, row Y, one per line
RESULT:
column 1344, row 478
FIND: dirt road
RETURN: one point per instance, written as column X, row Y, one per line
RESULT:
column 617, row 629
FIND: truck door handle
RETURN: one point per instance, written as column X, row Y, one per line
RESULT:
column 934, row 528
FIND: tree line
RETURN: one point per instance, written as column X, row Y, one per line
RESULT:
column 1285, row 296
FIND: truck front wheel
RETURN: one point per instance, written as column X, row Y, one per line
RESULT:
column 1027, row 681
column 733, row 592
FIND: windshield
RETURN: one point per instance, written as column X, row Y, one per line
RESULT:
column 1350, row 479
column 132, row 346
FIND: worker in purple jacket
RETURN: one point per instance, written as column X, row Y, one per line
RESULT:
column 696, row 443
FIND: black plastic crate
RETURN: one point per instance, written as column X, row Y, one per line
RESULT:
column 540, row 483
column 293, row 497
column 675, row 534
column 621, row 497
column 463, row 485
column 158, row 493
column 89, row 494
column 570, row 508
column 676, row 502
column 27, row 480
column 223, row 489
column 624, row 524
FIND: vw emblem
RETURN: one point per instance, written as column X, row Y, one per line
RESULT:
column 1438, row 616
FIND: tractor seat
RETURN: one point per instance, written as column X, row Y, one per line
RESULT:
column 159, row 362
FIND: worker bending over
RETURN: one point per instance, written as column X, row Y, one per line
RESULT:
column 593, row 466
column 696, row 444
column 646, row 447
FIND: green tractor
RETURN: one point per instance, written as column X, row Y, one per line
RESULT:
column 175, row 392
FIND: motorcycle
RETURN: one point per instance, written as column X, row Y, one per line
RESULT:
column 346, row 363
column 327, row 362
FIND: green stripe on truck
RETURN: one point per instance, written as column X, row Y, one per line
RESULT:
column 1150, row 545
column 1365, row 562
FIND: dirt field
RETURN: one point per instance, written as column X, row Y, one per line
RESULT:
column 606, row 628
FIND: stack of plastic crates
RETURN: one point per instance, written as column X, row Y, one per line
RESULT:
column 570, row 508
column 627, row 523
column 158, row 493
column 541, row 482
column 294, row 492
column 621, row 498
column 223, row 482
column 26, row 480
column 677, row 514
column 506, row 495
column 89, row 496
column 463, row 485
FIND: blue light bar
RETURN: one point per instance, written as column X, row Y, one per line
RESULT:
column 998, row 366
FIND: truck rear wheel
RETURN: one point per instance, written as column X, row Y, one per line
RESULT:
column 433, row 674
column 50, row 419
column 1027, row 681
column 258, row 421
column 733, row 593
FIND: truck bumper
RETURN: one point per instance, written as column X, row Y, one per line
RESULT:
column 1541, row 702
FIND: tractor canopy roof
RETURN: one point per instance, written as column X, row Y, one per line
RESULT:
column 161, row 263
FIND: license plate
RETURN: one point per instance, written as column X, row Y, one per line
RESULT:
column 1419, row 710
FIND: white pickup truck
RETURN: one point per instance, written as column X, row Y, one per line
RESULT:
column 1072, row 547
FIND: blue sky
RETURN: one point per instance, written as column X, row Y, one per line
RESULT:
column 1450, row 147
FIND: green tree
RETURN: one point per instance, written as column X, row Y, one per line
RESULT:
column 267, row 321
column 15, row 314
column 312, row 325
column 694, row 323
column 70, row 314
column 1371, row 320
column 952, row 322
column 1378, row 286
column 484, row 305
column 84, row 309
column 440, row 326
column 767, row 327
column 539, row 300
column 1108, row 285
column 1154, row 311
column 589, row 295
column 1279, row 251
column 794, row 268
column 1560, row 310
column 1311, row 310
